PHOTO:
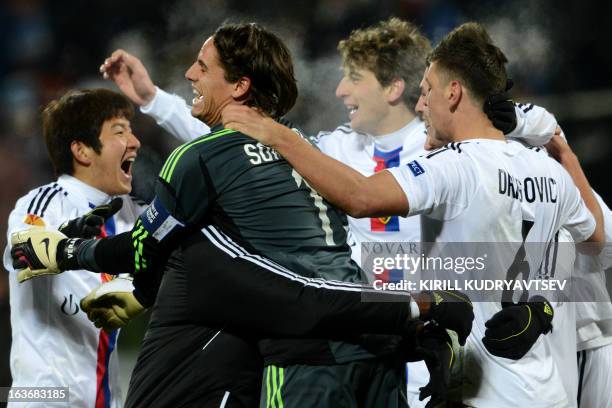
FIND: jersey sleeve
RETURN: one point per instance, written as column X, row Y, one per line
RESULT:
column 172, row 113
column 535, row 126
column 606, row 254
column 579, row 221
column 434, row 186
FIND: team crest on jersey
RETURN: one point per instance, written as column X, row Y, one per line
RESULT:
column 384, row 220
column 415, row 168
column 33, row 219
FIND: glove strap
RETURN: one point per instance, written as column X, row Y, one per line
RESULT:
column 67, row 251
column 543, row 310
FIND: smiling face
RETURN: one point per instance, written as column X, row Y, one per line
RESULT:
column 366, row 100
column 212, row 91
column 110, row 170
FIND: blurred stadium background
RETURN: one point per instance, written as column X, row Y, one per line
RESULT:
column 559, row 52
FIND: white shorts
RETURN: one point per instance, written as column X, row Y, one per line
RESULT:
column 595, row 377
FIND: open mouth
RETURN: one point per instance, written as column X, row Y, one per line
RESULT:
column 352, row 109
column 126, row 166
column 197, row 98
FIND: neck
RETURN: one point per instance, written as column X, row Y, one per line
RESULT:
column 83, row 174
column 398, row 117
column 475, row 125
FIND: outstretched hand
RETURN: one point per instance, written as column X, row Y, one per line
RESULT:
column 130, row 75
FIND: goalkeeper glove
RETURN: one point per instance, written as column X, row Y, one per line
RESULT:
column 112, row 305
column 500, row 110
column 38, row 251
column 90, row 224
column 434, row 346
column 451, row 310
column 512, row 331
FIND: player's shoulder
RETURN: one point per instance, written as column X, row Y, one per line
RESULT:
column 38, row 200
column 201, row 148
column 41, row 206
column 341, row 132
column 451, row 151
column 218, row 138
column 538, row 157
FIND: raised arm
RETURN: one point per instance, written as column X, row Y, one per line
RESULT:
column 560, row 150
column 170, row 111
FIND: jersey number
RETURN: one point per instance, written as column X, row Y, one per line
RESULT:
column 520, row 266
column 320, row 204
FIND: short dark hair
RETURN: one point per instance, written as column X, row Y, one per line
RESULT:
column 469, row 53
column 78, row 116
column 249, row 50
column 391, row 49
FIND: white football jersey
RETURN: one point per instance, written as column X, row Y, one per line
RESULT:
column 594, row 319
column 369, row 154
column 486, row 191
column 54, row 344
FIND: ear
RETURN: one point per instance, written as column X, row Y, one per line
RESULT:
column 81, row 153
column 241, row 88
column 395, row 90
column 455, row 93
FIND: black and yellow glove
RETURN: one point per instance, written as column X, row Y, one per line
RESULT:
column 512, row 331
column 451, row 310
column 433, row 345
column 90, row 224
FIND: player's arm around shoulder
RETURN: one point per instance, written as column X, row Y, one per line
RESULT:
column 341, row 185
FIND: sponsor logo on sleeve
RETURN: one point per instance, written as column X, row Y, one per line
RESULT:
column 416, row 168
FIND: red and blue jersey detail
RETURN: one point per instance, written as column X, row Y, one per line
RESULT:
column 391, row 275
column 385, row 160
column 106, row 342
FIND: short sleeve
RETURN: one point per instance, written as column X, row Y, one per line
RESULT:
column 436, row 186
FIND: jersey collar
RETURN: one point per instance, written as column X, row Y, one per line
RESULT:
column 394, row 140
column 79, row 188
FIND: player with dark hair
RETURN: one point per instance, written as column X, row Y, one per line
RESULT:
column 458, row 187
column 92, row 148
column 258, row 205
column 382, row 68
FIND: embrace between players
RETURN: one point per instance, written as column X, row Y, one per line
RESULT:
column 248, row 264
